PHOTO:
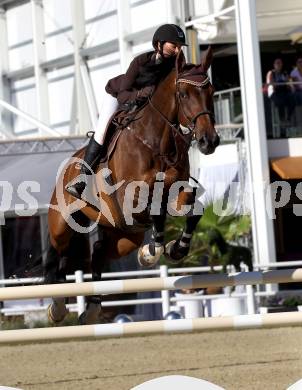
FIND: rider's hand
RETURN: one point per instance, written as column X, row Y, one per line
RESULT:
column 145, row 92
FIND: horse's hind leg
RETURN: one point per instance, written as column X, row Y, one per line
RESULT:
column 55, row 265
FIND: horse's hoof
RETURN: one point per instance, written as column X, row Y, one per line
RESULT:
column 82, row 319
column 55, row 319
column 144, row 257
column 172, row 255
column 89, row 319
column 91, row 315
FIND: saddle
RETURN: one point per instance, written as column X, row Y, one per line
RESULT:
column 122, row 118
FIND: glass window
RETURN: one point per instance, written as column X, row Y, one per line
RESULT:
column 20, row 57
column 26, row 101
column 58, row 46
column 60, row 103
column 101, row 31
column 94, row 8
column 17, row 30
column 100, row 74
column 57, row 15
column 156, row 11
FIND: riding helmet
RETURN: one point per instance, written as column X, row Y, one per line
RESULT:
column 169, row 33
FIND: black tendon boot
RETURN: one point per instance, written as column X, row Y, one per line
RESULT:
column 93, row 153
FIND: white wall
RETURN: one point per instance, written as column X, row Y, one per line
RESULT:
column 284, row 147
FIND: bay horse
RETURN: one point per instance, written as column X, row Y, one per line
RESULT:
column 149, row 160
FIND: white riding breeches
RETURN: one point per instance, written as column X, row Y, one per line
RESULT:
column 109, row 106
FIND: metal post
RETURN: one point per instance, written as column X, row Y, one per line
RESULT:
column 232, row 106
column 5, row 93
column 80, row 300
column 78, row 27
column 39, row 52
column 90, row 96
column 165, row 295
column 250, row 296
column 43, row 235
column 250, row 299
column 73, row 110
column 124, row 28
column 176, row 12
column 193, row 50
column 2, row 273
column 255, row 132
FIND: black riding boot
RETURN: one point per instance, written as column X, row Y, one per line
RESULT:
column 93, row 153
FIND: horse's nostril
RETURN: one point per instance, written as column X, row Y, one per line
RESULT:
column 216, row 140
column 202, row 140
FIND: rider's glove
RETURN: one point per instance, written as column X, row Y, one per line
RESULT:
column 144, row 93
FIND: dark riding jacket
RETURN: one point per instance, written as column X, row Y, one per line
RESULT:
column 123, row 86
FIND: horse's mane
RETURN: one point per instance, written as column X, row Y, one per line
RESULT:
column 152, row 73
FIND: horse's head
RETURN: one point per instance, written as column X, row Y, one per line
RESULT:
column 194, row 94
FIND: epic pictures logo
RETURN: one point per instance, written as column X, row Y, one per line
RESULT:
column 138, row 197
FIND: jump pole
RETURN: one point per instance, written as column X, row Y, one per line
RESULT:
column 150, row 284
column 152, row 327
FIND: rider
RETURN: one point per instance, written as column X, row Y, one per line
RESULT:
column 130, row 89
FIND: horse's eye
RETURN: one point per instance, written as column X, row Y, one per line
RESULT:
column 183, row 95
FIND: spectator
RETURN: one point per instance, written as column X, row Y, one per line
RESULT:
column 279, row 91
column 296, row 75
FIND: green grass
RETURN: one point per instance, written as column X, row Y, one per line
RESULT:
column 17, row 322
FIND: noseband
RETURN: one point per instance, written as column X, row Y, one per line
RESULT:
column 192, row 122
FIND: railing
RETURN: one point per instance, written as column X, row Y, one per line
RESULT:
column 249, row 295
column 282, row 106
column 283, row 109
column 227, row 105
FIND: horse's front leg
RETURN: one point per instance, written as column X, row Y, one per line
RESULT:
column 176, row 250
column 149, row 254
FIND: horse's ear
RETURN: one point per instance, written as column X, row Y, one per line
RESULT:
column 180, row 62
column 206, row 59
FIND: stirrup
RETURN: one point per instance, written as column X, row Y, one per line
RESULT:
column 77, row 186
column 76, row 189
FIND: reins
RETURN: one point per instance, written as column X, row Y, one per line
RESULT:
column 173, row 126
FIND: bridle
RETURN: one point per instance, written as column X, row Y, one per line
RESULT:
column 191, row 123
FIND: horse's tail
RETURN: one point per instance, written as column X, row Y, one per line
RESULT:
column 32, row 268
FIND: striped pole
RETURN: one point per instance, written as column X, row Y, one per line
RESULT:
column 150, row 284
column 152, row 327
